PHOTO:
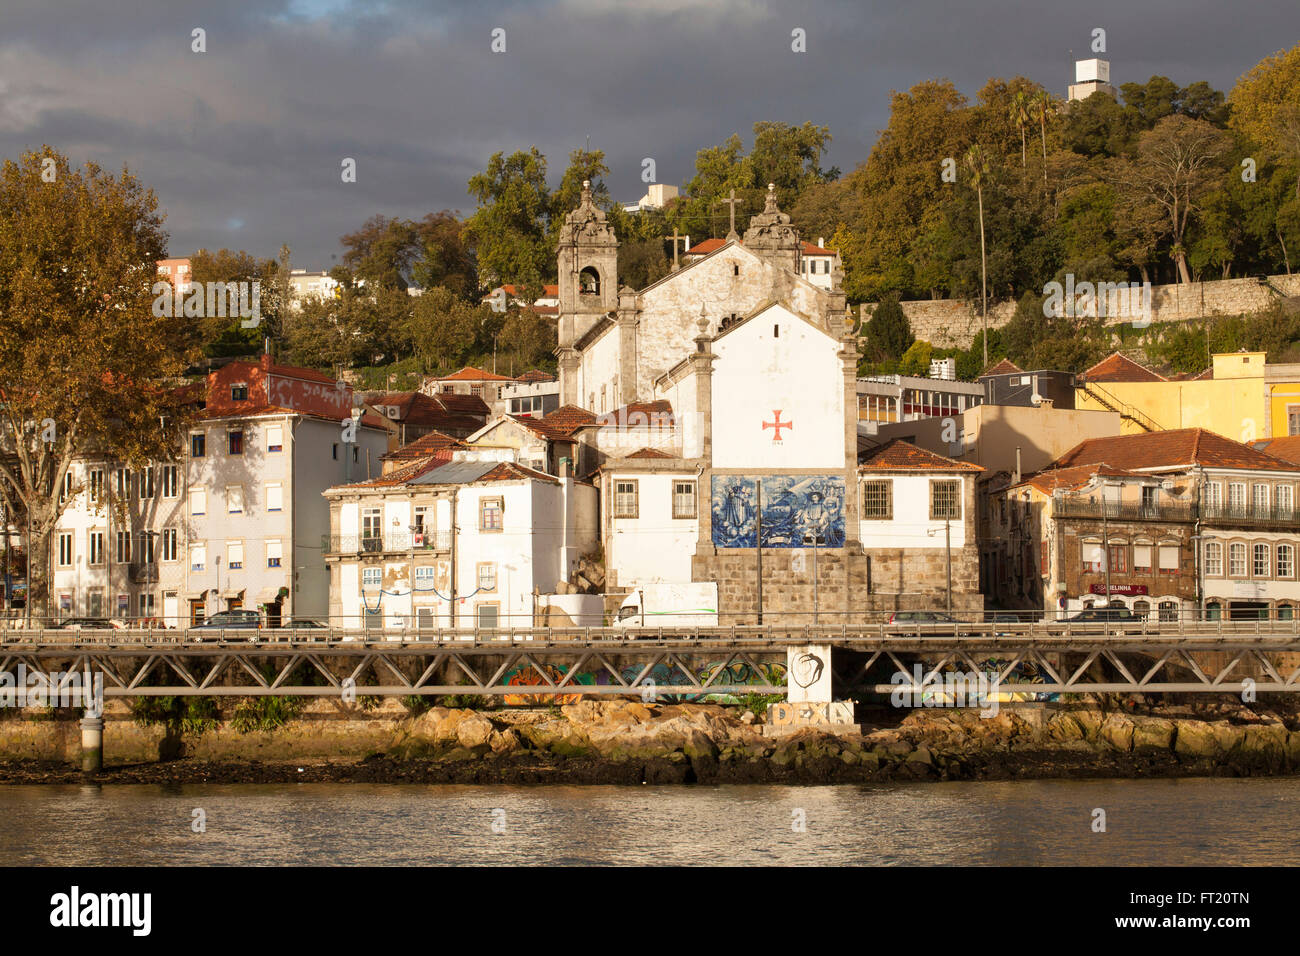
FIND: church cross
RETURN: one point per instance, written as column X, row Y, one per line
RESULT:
column 676, row 239
column 732, row 203
column 777, row 425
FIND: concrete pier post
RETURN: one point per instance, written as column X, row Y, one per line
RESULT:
column 809, row 700
column 92, row 744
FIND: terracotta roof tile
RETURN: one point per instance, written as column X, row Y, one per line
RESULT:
column 1118, row 368
column 1182, row 447
column 1070, row 478
column 900, row 455
column 425, row 446
column 1004, row 367
column 565, row 420
column 658, row 413
column 649, row 453
column 535, row 375
column 1287, row 448
column 471, row 374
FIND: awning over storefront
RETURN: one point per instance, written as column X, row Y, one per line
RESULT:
column 232, row 593
column 196, row 595
column 268, row 595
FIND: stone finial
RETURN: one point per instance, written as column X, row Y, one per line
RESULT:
column 771, row 199
column 703, row 323
column 586, row 190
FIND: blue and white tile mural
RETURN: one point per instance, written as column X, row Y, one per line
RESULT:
column 798, row 511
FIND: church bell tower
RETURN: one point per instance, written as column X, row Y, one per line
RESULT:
column 588, row 279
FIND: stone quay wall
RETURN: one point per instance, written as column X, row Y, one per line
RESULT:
column 953, row 323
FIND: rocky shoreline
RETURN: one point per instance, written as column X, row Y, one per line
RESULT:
column 627, row 742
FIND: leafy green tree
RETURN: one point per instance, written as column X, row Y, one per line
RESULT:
column 888, row 333
column 1178, row 162
column 916, row 360
column 508, row 231
column 227, row 335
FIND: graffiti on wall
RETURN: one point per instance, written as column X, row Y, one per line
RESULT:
column 660, row 676
column 799, row 511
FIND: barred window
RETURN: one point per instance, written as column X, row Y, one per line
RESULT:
column 683, row 499
column 878, row 499
column 625, row 499
column 945, row 499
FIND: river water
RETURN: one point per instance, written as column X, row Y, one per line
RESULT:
column 1148, row 822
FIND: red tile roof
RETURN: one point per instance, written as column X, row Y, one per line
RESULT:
column 535, row 375
column 432, row 444
column 1117, row 368
column 565, row 420
column 649, row 453
column 548, row 291
column 812, row 249
column 658, row 413
column 471, row 374
column 706, row 246
column 1180, row 448
column 1070, row 478
column 1286, row 448
column 462, row 404
column 1004, row 367
column 900, row 455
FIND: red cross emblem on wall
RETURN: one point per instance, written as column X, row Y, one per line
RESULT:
column 776, row 426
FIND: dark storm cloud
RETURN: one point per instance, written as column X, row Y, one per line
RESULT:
column 243, row 143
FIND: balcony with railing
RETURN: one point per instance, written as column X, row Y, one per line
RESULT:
column 389, row 542
column 1176, row 512
column 1250, row 515
column 143, row 573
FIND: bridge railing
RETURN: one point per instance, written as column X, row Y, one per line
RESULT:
column 740, row 636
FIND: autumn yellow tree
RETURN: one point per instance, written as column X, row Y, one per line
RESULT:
column 86, row 366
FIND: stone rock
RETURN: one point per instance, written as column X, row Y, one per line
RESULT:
column 1063, row 727
column 1153, row 733
column 1228, row 737
column 921, row 755
column 504, row 742
column 1195, row 740
column 1116, row 732
column 1089, row 721
column 748, row 717
column 1266, row 743
column 474, row 731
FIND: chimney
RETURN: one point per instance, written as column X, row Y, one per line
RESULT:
column 1015, row 477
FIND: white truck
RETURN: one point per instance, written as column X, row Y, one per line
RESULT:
column 692, row 604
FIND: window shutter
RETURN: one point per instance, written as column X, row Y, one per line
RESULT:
column 1168, row 557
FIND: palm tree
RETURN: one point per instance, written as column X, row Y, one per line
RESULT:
column 1044, row 107
column 1020, row 107
column 977, row 162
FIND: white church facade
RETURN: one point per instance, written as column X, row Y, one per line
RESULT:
column 755, row 482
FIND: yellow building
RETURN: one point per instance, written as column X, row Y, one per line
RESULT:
column 1240, row 396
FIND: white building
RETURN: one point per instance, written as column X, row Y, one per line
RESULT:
column 236, row 521
column 459, row 544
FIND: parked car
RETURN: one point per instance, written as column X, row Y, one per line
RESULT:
column 230, row 620
column 1104, row 620
column 937, row 623
column 91, row 624
column 304, row 623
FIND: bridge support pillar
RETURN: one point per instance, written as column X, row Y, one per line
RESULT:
column 92, row 744
column 810, row 704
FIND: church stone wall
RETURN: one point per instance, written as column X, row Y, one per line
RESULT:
column 953, row 323
column 851, row 587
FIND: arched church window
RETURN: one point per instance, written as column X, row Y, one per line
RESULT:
column 589, row 281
